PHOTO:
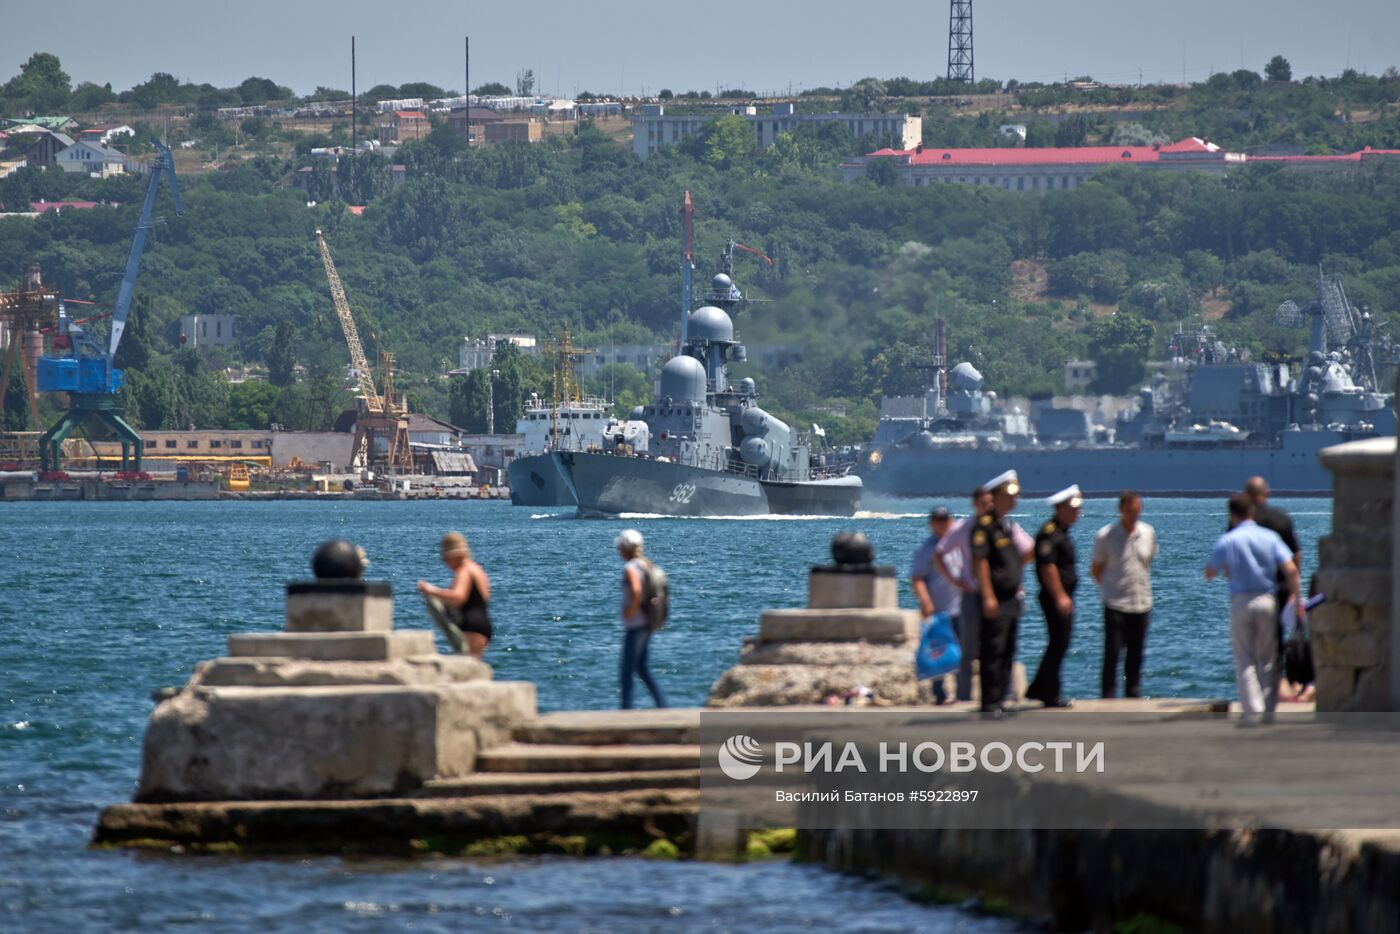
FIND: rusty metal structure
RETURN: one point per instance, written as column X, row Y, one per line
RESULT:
column 25, row 314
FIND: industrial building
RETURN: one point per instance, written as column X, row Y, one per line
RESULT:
column 654, row 129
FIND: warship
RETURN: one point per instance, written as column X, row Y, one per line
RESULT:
column 1223, row 419
column 570, row 421
column 703, row 446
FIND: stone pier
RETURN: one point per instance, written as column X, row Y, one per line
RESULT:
column 338, row 705
column 1351, row 631
column 851, row 633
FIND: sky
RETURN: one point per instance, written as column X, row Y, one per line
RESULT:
column 625, row 46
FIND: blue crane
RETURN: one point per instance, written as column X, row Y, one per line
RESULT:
column 86, row 371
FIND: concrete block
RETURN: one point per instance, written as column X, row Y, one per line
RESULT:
column 325, row 609
column 1339, row 551
column 288, row 672
column 1356, row 649
column 831, row 654
column 1335, row 685
column 1362, row 586
column 1335, row 616
column 238, row 743
column 333, row 646
column 848, row 625
column 830, row 591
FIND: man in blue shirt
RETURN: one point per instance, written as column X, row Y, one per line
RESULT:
column 1253, row 558
column 935, row 593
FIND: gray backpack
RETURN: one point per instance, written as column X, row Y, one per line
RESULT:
column 656, row 596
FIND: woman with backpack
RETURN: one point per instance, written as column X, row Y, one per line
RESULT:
column 467, row 598
column 641, row 612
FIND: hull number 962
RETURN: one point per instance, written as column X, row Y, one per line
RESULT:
column 682, row 493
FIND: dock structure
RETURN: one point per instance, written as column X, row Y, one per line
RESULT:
column 345, row 735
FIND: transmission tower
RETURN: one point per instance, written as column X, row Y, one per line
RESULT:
column 960, row 41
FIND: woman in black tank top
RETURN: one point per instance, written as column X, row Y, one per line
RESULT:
column 469, row 594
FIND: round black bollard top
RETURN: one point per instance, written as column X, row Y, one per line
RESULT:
column 338, row 559
column 848, row 548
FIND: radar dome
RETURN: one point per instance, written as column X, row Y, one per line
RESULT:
column 722, row 283
column 683, row 379
column 966, row 377
column 710, row 324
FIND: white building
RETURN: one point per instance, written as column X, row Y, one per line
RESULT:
column 207, row 331
column 92, row 158
column 654, row 129
column 1079, row 374
column 106, row 133
column 643, row 357
column 476, row 353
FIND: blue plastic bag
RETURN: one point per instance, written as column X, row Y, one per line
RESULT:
column 939, row 652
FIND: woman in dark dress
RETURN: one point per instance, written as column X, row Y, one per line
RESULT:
column 469, row 594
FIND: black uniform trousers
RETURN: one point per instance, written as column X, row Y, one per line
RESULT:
column 998, row 650
column 1046, row 685
column 1120, row 629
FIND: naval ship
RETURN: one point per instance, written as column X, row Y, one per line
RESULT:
column 704, row 447
column 569, row 425
column 571, row 421
column 1224, row 419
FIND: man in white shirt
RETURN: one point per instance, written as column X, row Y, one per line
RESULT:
column 1122, row 566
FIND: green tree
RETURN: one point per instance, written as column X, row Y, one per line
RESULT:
column 729, row 142
column 568, row 220
column 15, row 415
column 525, row 83
column 883, row 172
column 42, row 83
column 160, row 88
column 88, row 96
column 423, row 89
column 281, row 357
column 251, row 405
column 1119, row 346
column 1278, row 69
column 466, row 402
column 262, row 90
column 363, row 177
column 492, row 89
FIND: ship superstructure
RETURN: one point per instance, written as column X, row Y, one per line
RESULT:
column 1223, row 418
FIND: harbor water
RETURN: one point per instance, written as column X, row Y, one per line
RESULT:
column 100, row 603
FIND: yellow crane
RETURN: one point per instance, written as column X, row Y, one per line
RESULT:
column 381, row 416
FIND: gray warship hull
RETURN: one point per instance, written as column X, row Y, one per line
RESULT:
column 1292, row 469
column 535, row 480
column 611, row 485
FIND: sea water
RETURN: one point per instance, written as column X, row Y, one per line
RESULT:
column 100, row 603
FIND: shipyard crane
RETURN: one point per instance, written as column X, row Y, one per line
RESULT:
column 25, row 314
column 380, row 417
column 86, row 371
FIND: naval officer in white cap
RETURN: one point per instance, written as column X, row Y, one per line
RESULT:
column 998, row 560
column 1055, row 568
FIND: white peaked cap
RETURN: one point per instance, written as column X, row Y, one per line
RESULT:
column 1007, row 479
column 1069, row 494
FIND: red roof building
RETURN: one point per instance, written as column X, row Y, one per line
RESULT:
column 40, row 207
column 1056, row 168
column 404, row 125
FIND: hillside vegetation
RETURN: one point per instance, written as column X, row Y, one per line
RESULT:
column 577, row 230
